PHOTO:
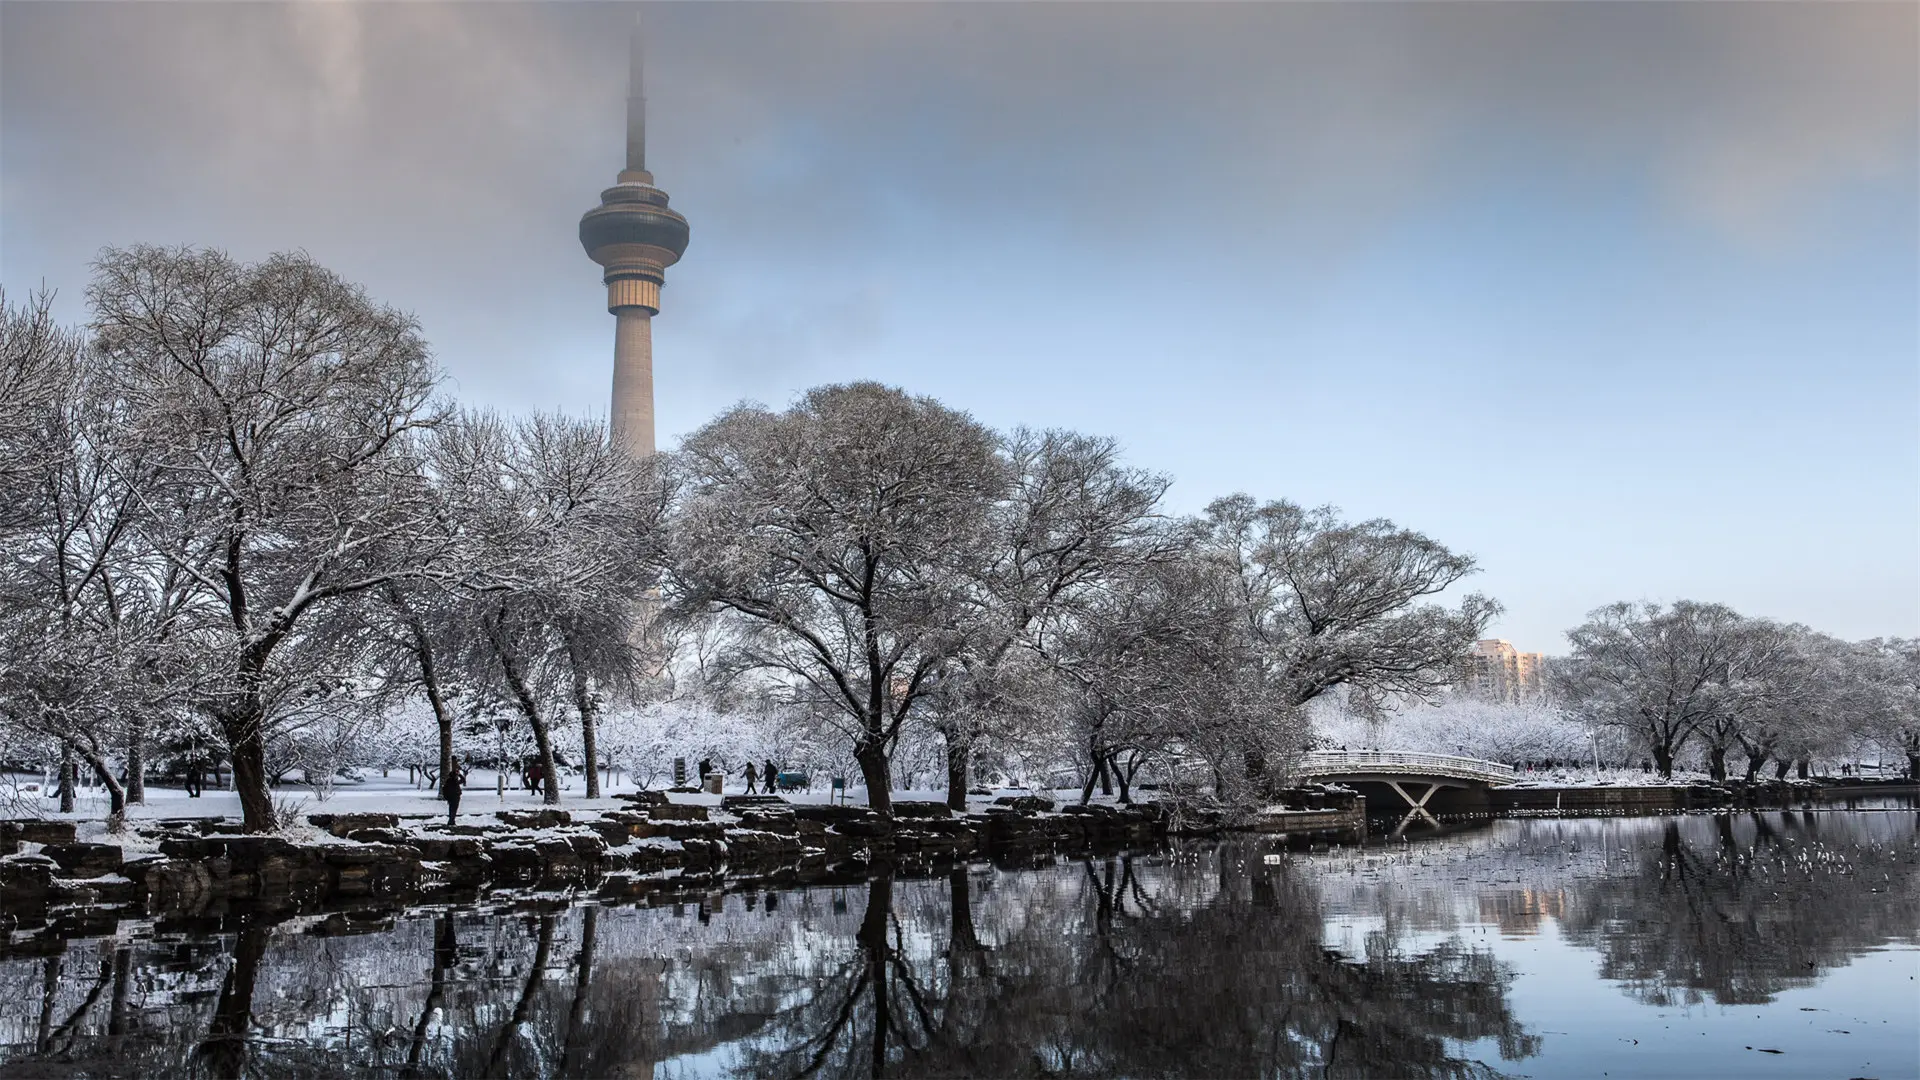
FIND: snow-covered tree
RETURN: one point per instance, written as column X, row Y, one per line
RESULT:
column 1324, row 604
column 278, row 408
column 838, row 535
column 1071, row 518
column 1885, row 683
column 560, row 547
column 1659, row 673
column 89, row 612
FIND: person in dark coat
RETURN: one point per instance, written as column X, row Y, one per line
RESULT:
column 770, row 775
column 750, row 777
column 450, row 787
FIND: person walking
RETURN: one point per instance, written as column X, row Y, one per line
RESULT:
column 768, row 777
column 749, row 775
column 450, row 788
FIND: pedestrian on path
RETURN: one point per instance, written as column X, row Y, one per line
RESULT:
column 749, row 777
column 450, row 786
column 768, row 777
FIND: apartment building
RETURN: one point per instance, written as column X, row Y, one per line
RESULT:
column 1493, row 669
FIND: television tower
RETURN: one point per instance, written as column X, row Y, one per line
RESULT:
column 634, row 238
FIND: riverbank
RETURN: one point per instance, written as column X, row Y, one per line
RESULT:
column 190, row 864
column 648, row 841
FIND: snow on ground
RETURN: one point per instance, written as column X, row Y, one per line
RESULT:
column 393, row 794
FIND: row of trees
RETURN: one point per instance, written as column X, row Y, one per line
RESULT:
column 234, row 512
column 1692, row 685
column 1703, row 678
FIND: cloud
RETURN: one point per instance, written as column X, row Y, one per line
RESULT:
column 441, row 152
column 796, row 119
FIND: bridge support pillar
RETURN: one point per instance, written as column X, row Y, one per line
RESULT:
column 1417, row 808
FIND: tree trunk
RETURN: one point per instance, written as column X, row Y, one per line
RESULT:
column 874, row 770
column 1717, row 762
column 957, row 754
column 1913, row 764
column 137, row 763
column 530, row 708
column 1663, row 760
column 584, row 704
column 442, row 716
column 248, row 754
column 68, row 777
column 590, row 748
column 1125, row 778
column 1800, row 768
column 1106, row 780
column 116, row 795
column 429, row 677
column 1754, row 762
column 1781, row 769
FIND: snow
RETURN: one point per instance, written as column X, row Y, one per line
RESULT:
column 393, row 794
column 376, row 795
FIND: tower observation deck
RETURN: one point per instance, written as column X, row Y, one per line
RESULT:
column 634, row 237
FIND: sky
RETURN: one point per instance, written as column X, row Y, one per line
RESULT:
column 1623, row 299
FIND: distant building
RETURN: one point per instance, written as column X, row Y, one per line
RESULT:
column 1496, row 671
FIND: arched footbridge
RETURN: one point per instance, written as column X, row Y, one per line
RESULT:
column 1424, row 774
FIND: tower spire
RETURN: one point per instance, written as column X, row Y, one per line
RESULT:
column 636, row 107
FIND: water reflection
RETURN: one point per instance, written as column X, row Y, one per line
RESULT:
column 1234, row 959
column 1738, row 909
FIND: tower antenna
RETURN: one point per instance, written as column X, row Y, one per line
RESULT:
column 637, row 104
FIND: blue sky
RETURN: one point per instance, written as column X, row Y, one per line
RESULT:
column 1622, row 298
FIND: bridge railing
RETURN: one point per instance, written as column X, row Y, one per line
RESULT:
column 1326, row 761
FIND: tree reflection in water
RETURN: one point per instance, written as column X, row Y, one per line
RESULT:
column 1201, row 960
column 1737, row 908
column 1125, row 972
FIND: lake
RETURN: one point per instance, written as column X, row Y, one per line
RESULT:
column 1743, row 945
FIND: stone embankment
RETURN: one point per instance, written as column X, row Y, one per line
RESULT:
column 186, row 865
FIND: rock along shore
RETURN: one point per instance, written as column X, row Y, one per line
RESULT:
column 183, row 866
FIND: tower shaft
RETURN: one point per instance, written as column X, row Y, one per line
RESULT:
column 631, row 418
